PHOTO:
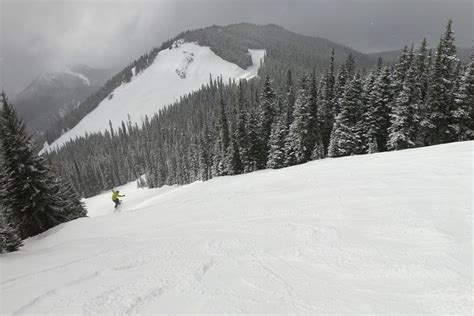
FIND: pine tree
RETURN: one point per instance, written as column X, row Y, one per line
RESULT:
column 223, row 125
column 421, row 63
column 9, row 239
column 240, row 133
column 327, row 109
column 233, row 160
column 255, row 148
column 440, row 99
column 405, row 117
column 401, row 67
column 276, row 156
column 267, row 114
column 378, row 112
column 299, row 144
column 33, row 199
column 339, row 89
column 462, row 114
column 350, row 66
column 290, row 99
column 346, row 137
column 315, row 142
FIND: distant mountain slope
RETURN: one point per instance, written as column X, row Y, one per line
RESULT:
column 463, row 53
column 284, row 50
column 50, row 96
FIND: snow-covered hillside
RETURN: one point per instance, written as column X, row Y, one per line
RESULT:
column 380, row 234
column 183, row 68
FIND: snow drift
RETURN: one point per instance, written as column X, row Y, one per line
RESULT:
column 382, row 233
column 183, row 68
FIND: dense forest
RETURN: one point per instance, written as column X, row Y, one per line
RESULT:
column 295, row 112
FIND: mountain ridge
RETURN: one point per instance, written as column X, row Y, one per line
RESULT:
column 52, row 94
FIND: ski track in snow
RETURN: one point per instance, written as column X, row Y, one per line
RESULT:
column 375, row 234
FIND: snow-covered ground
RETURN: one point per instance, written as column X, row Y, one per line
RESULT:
column 175, row 72
column 377, row 234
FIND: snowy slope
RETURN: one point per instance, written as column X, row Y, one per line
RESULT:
column 379, row 234
column 175, row 72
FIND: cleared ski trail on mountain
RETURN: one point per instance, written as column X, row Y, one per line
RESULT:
column 383, row 233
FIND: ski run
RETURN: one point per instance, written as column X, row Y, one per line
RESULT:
column 385, row 233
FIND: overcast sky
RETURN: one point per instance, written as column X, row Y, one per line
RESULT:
column 44, row 35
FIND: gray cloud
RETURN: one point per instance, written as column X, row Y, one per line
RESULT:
column 45, row 35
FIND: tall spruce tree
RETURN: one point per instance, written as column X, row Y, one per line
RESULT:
column 378, row 112
column 268, row 108
column 299, row 142
column 33, row 197
column 276, row 156
column 422, row 64
column 9, row 238
column 240, row 133
column 440, row 99
column 315, row 141
column 255, row 148
column 462, row 114
column 290, row 98
column 403, row 132
column 327, row 108
column 346, row 137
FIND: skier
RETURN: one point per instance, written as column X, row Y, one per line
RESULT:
column 115, row 197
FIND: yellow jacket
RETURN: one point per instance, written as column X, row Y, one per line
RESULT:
column 115, row 195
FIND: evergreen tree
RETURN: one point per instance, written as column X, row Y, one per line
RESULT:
column 268, row 112
column 421, row 62
column 315, row 142
column 350, row 66
column 33, row 199
column 405, row 116
column 462, row 114
column 401, row 67
column 233, row 160
column 378, row 112
column 9, row 239
column 276, row 156
column 290, row 99
column 440, row 99
column 255, row 149
column 240, row 133
column 299, row 144
column 223, row 126
column 327, row 108
column 346, row 137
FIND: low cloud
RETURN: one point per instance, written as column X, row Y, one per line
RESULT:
column 46, row 35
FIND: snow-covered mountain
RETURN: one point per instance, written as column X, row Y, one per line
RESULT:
column 184, row 64
column 176, row 71
column 52, row 94
column 387, row 233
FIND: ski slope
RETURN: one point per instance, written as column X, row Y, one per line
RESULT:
column 177, row 71
column 385, row 233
